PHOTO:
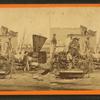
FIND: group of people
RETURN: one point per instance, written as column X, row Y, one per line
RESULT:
column 73, row 53
column 24, row 59
column 73, row 48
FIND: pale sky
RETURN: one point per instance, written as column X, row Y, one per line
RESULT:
column 39, row 20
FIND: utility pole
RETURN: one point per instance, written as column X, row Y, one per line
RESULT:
column 23, row 40
column 10, row 55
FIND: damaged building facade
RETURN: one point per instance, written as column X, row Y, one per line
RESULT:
column 5, row 35
column 64, row 36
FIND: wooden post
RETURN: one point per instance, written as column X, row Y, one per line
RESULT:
column 10, row 55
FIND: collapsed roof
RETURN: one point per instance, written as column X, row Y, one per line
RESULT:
column 5, row 31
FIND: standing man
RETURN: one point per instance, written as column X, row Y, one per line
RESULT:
column 26, row 61
column 53, row 46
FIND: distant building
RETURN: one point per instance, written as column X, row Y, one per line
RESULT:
column 5, row 34
column 87, row 40
column 64, row 35
column 61, row 34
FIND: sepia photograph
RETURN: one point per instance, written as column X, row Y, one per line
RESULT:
column 50, row 48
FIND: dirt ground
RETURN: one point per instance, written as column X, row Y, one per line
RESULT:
column 36, row 81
